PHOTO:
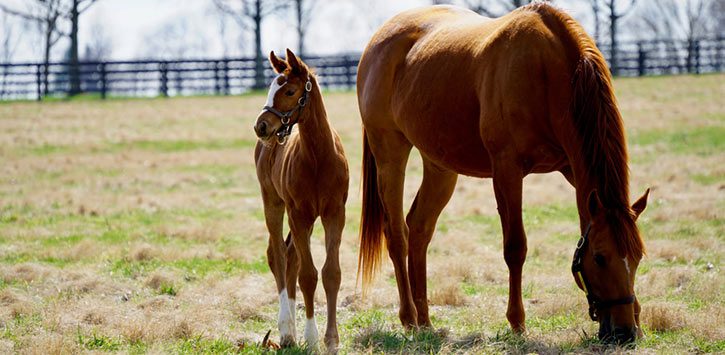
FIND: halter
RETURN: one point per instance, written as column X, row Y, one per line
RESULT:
column 286, row 116
column 595, row 303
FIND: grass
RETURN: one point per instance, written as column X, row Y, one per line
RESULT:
column 136, row 226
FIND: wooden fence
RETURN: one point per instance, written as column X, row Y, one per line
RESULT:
column 148, row 78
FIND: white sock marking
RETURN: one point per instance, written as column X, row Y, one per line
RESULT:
column 311, row 335
column 285, row 322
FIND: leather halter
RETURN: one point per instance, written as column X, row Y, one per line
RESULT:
column 595, row 303
column 286, row 117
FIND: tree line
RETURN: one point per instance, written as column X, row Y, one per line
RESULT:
column 60, row 19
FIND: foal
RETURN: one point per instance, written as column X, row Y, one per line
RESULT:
column 306, row 175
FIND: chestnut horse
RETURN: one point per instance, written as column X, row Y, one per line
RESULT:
column 496, row 98
column 305, row 175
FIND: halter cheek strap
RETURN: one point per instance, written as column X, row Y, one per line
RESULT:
column 595, row 303
column 286, row 116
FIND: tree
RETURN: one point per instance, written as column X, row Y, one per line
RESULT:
column 9, row 45
column 49, row 14
column 687, row 20
column 609, row 10
column 99, row 46
column 303, row 13
column 249, row 14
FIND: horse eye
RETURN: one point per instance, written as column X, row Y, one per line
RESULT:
column 599, row 259
column 289, row 92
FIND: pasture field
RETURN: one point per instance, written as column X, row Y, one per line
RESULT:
column 136, row 226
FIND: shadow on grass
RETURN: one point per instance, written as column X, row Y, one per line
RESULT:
column 377, row 339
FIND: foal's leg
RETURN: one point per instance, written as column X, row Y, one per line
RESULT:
column 434, row 193
column 293, row 268
column 391, row 150
column 333, row 222
column 276, row 250
column 507, row 186
column 301, row 225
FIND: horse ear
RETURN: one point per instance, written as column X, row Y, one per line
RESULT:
column 640, row 204
column 277, row 64
column 294, row 62
column 594, row 205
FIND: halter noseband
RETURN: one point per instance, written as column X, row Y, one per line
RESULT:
column 595, row 303
column 285, row 117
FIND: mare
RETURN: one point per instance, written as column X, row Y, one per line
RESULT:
column 501, row 98
column 304, row 174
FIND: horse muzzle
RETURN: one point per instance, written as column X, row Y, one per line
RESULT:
column 615, row 334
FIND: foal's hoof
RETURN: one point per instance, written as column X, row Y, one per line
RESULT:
column 332, row 343
column 287, row 341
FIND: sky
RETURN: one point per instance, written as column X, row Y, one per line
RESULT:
column 191, row 28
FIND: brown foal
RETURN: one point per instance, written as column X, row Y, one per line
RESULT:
column 305, row 175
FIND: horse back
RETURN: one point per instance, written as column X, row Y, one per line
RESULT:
column 460, row 86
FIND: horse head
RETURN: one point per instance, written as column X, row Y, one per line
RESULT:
column 288, row 95
column 604, row 267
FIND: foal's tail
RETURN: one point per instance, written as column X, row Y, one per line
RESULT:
column 371, row 221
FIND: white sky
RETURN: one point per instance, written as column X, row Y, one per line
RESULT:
column 337, row 26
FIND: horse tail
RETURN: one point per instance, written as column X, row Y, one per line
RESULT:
column 371, row 221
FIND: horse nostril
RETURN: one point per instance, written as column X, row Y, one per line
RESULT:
column 261, row 129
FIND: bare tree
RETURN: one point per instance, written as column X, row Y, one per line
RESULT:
column 303, row 13
column 249, row 15
column 175, row 39
column 99, row 46
column 687, row 20
column 610, row 10
column 49, row 14
column 9, row 45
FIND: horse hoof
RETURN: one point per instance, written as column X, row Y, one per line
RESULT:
column 287, row 341
column 331, row 343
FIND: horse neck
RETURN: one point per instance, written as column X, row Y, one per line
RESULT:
column 314, row 131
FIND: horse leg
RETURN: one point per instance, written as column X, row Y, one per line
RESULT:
column 276, row 250
column 434, row 193
column 301, row 225
column 391, row 150
column 507, row 185
column 293, row 267
column 333, row 223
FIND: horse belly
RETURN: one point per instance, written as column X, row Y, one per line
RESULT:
column 449, row 139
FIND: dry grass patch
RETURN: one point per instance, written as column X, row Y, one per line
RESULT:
column 662, row 317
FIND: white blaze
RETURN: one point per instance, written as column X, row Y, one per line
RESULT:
column 273, row 88
column 626, row 265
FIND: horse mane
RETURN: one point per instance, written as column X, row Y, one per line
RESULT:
column 599, row 125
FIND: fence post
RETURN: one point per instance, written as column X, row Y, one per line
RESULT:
column 348, row 73
column 39, row 82
column 164, row 87
column 103, row 80
column 641, row 59
column 217, row 78
column 226, row 76
column 697, row 57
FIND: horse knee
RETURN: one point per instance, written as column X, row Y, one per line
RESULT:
column 308, row 277
column 331, row 277
column 514, row 254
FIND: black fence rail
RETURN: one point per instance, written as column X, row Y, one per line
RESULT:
column 662, row 57
column 148, row 78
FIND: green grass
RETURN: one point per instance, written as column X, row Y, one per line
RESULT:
column 179, row 203
column 702, row 141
